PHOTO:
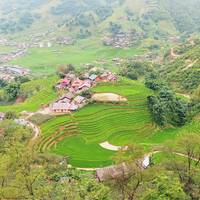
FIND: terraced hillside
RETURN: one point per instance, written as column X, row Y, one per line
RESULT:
column 183, row 72
column 78, row 135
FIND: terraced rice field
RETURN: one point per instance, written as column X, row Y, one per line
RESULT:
column 77, row 136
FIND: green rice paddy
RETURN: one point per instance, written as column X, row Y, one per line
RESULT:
column 47, row 60
column 77, row 136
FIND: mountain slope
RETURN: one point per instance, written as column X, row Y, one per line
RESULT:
column 182, row 67
column 158, row 19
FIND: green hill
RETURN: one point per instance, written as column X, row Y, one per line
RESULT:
column 183, row 70
column 156, row 19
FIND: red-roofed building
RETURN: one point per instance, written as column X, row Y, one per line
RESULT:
column 77, row 83
column 64, row 83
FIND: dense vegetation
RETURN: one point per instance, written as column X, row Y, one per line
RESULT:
column 32, row 95
column 135, row 70
column 183, row 72
column 155, row 19
column 8, row 26
column 168, row 109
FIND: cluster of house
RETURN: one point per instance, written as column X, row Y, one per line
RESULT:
column 75, row 86
column 122, row 39
column 36, row 40
column 6, row 57
column 67, row 103
column 45, row 45
column 3, row 41
column 118, row 41
column 174, row 39
column 9, row 72
column 21, row 50
column 65, row 41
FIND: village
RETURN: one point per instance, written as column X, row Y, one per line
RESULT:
column 39, row 40
column 19, row 49
column 76, row 96
column 9, row 72
column 123, row 39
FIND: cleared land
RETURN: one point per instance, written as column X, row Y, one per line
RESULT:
column 107, row 145
column 108, row 97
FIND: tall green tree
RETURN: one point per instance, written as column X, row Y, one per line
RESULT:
column 184, row 160
column 165, row 187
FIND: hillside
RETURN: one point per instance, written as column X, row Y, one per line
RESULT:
column 136, row 20
column 182, row 67
column 100, row 99
column 98, row 123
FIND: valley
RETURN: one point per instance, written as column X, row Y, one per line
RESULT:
column 99, row 99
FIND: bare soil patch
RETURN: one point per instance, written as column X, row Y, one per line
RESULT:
column 108, row 146
column 108, row 97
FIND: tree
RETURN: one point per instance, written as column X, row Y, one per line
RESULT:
column 132, row 176
column 25, row 174
column 12, row 90
column 166, row 109
column 3, row 83
column 165, row 187
column 187, row 168
column 196, row 95
column 22, row 79
column 63, row 70
column 10, row 115
column 135, row 69
column 157, row 111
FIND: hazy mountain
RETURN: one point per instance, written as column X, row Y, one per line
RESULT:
column 83, row 18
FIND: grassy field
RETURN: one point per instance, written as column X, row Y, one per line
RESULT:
column 47, row 60
column 42, row 94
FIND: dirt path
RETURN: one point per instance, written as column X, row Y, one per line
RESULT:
column 173, row 54
column 145, row 161
column 190, row 65
column 36, row 131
